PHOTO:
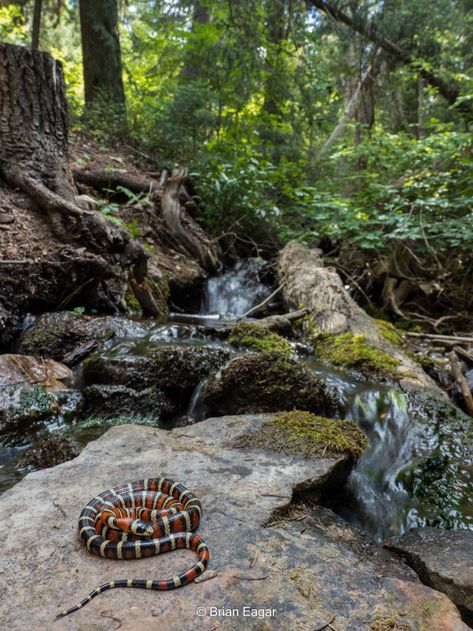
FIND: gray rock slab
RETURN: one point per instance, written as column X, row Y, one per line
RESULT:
column 443, row 559
column 266, row 572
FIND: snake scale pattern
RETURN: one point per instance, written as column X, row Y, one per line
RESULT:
column 142, row 519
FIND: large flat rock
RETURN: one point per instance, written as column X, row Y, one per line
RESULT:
column 292, row 571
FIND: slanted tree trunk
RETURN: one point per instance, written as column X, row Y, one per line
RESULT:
column 350, row 110
column 101, row 52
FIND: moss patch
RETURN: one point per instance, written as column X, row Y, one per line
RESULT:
column 308, row 435
column 390, row 333
column 258, row 338
column 353, row 351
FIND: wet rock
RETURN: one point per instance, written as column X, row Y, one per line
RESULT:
column 21, row 370
column 443, row 559
column 49, row 451
column 261, row 558
column 108, row 402
column 66, row 336
column 164, row 366
column 267, row 382
column 30, row 390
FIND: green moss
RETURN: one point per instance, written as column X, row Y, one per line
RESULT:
column 306, row 434
column 258, row 338
column 131, row 301
column 353, row 351
column 390, row 333
column 425, row 361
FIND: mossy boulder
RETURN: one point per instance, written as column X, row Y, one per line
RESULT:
column 60, row 334
column 267, row 382
column 162, row 366
column 310, row 436
column 49, row 451
column 353, row 351
column 259, row 338
column 110, row 401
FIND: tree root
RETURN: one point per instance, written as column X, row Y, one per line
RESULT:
column 191, row 238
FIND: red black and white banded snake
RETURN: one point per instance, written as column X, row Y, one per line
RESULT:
column 142, row 519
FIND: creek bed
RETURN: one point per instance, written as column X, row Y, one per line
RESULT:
column 416, row 471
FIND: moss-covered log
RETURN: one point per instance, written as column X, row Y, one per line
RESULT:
column 342, row 332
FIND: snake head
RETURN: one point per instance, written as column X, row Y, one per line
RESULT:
column 139, row 527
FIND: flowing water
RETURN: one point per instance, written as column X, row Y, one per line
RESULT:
column 418, row 468
column 416, row 471
column 234, row 292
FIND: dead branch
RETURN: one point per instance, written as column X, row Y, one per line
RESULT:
column 440, row 338
column 144, row 297
column 463, row 353
column 262, row 304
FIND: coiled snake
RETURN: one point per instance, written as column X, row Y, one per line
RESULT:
column 141, row 519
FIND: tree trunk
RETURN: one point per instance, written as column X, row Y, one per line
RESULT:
column 193, row 67
column 38, row 5
column 187, row 234
column 350, row 110
column 33, row 120
column 101, row 52
column 274, row 88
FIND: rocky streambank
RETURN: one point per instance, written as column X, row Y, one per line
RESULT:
column 275, row 563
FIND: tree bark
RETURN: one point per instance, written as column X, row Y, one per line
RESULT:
column 101, row 52
column 33, row 119
column 449, row 91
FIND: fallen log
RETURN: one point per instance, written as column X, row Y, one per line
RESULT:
column 309, row 284
column 103, row 180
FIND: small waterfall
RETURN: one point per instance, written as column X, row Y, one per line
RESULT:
column 377, row 500
column 197, row 411
column 235, row 291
